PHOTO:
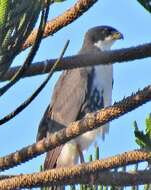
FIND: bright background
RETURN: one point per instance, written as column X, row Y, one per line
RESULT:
column 129, row 18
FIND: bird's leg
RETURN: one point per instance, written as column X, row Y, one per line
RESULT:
column 80, row 153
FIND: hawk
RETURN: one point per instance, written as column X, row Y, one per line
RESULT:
column 76, row 93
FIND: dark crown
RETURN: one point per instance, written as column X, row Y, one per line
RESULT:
column 100, row 33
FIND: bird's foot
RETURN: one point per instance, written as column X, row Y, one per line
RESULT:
column 80, row 153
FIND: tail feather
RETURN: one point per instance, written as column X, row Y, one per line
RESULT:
column 51, row 158
column 50, row 162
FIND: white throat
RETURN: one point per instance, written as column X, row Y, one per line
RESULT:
column 105, row 44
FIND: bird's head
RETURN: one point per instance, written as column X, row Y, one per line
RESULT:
column 102, row 37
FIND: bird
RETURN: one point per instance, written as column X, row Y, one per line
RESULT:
column 76, row 93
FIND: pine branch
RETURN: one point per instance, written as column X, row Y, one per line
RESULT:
column 6, row 176
column 61, row 21
column 106, row 57
column 95, row 172
column 89, row 122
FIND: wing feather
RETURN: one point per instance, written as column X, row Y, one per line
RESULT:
column 68, row 97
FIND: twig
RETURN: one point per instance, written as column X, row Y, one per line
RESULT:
column 37, row 91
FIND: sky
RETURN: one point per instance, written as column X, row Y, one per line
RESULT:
column 130, row 18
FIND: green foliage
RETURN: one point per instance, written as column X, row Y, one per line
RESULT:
column 17, row 20
column 146, row 4
column 15, row 16
column 143, row 139
column 147, row 187
column 4, row 6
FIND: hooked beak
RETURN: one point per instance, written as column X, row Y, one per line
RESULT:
column 117, row 36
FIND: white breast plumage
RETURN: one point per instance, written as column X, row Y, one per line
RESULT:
column 102, row 81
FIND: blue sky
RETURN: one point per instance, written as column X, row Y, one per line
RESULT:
column 129, row 18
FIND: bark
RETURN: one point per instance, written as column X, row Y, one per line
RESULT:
column 89, row 173
column 89, row 122
column 107, row 57
column 61, row 21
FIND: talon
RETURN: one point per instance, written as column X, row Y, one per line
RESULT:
column 80, row 154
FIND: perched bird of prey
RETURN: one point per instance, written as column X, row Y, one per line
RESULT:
column 78, row 92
